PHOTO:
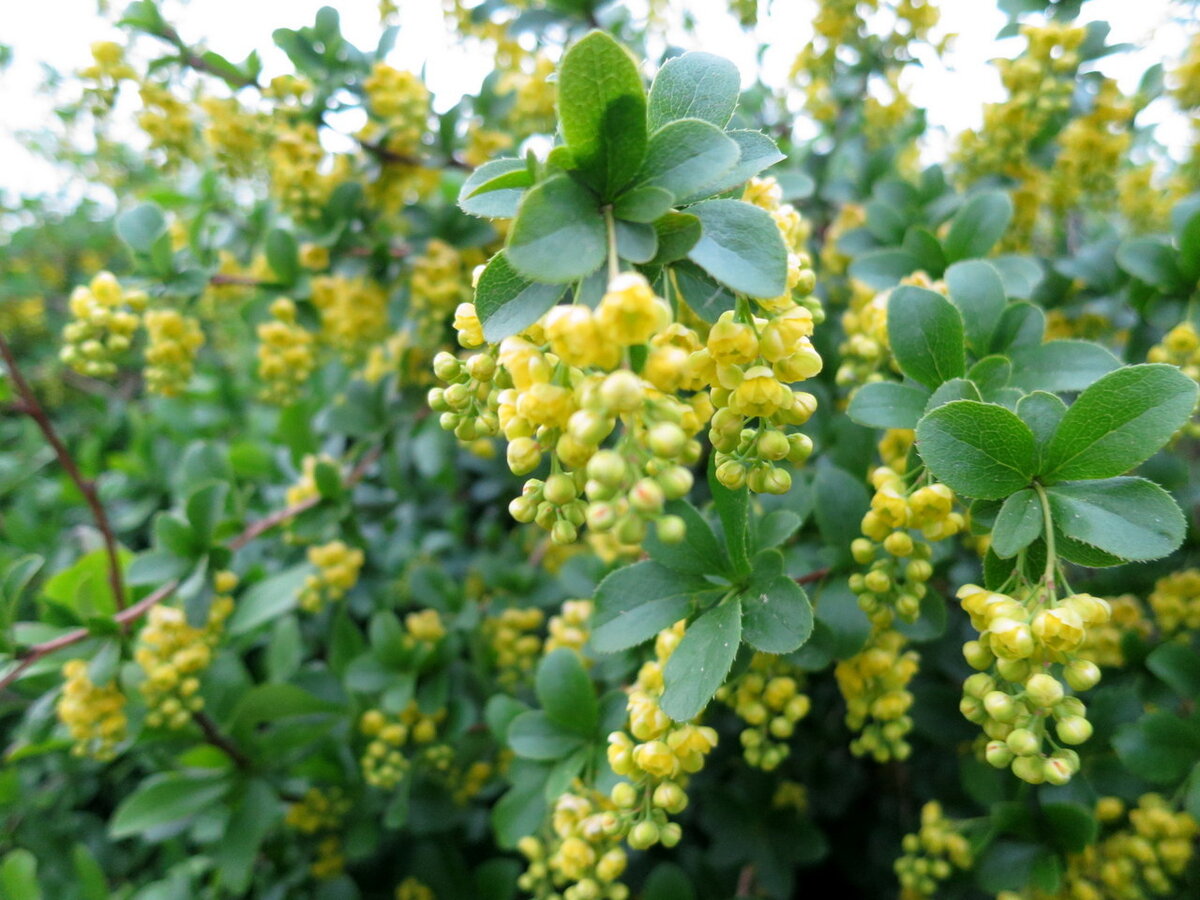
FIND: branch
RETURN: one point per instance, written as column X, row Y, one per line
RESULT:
column 126, row 617
column 815, row 575
column 222, row 278
column 213, row 735
column 32, row 408
column 382, row 153
column 745, row 882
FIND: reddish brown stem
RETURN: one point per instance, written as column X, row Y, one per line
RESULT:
column 745, row 882
column 32, row 408
column 213, row 735
column 815, row 575
column 222, row 278
column 127, row 616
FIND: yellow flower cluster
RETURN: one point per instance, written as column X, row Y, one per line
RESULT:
column 174, row 341
column 1039, row 83
column 330, row 861
column 484, row 144
column 94, row 714
column 834, row 257
column 104, row 319
column 865, row 353
column 286, row 357
column 399, row 104
column 439, row 283
column 383, row 762
column 337, row 572
column 353, row 313
column 515, row 643
column 107, row 71
column 899, row 563
column 1138, row 860
column 655, row 756
column 413, row 889
column 172, row 654
column 299, row 178
column 1092, row 148
column 1180, row 347
column 931, row 854
column 874, row 684
column 318, row 811
column 528, row 79
column 768, row 698
column 1142, row 202
column 425, row 626
column 167, row 121
column 1176, row 602
column 582, row 858
column 571, row 627
column 1104, row 644
column 305, row 487
column 1186, row 77
column 22, row 318
column 1015, row 693
column 235, row 135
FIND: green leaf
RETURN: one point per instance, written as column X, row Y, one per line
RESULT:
column 89, row 874
column 204, row 507
column 1160, row 747
column 1130, row 518
column 174, row 534
column 1151, row 260
column 1178, row 666
column 677, row 235
column 976, row 289
column 887, row 404
column 1060, row 365
column 566, row 693
column 1018, row 525
column 949, row 391
column 636, row 602
column 18, row 876
column 756, row 152
column 484, row 194
column 636, row 242
column 685, row 155
column 925, row 248
column 1119, row 422
column 602, row 112
column 1069, row 826
column 506, row 302
column 268, row 599
column 926, row 335
column 534, row 735
column 976, row 227
column 141, row 226
column 283, row 256
column 644, row 204
column 1042, row 412
column 559, row 233
column 740, row 247
column 841, row 502
column 695, row 85
column 163, row 800
column 698, row 553
column 258, row 811
column 1022, row 325
column 881, row 269
column 698, row 666
column 705, row 297
column 776, row 527
column 267, row 703
column 979, row 450
column 1020, row 274
column 733, row 509
column 777, row 618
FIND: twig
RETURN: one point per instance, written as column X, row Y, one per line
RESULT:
column 213, row 735
column 127, row 616
column 745, row 882
column 816, row 575
column 382, row 153
column 223, row 278
column 32, row 408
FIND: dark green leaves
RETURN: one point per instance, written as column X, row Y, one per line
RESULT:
column 1018, row 524
column 699, row 664
column 141, row 226
column 926, row 335
column 778, row 618
column 979, row 450
column 1120, row 421
column 163, row 800
column 506, row 302
column 1059, row 365
column 283, row 256
column 559, row 233
column 976, row 227
column 697, row 86
column 976, row 289
column 740, row 247
column 494, row 190
column 1129, row 518
column 633, row 604
column 602, row 113
column 566, row 693
column 887, row 404
column 685, row 155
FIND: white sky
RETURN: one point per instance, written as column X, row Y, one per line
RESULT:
column 59, row 32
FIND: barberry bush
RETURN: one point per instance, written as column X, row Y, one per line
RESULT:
column 637, row 478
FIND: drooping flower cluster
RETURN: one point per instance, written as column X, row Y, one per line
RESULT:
column 384, row 762
column 931, row 854
column 353, row 313
column 286, row 357
column 174, row 341
column 874, row 684
column 104, row 319
column 1027, row 654
column 320, row 814
column 768, row 698
column 516, row 644
column 337, row 566
column 94, row 714
column 172, row 655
